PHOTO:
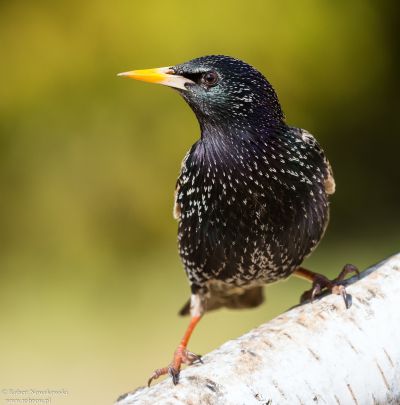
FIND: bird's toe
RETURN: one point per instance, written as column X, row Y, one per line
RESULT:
column 181, row 355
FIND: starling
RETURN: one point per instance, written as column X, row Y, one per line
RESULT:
column 252, row 196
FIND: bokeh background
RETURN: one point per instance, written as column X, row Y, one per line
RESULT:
column 90, row 279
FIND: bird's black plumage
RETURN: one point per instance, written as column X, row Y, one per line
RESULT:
column 252, row 195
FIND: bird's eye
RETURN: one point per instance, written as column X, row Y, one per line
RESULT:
column 209, row 79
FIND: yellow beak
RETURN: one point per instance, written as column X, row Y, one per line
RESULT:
column 163, row 75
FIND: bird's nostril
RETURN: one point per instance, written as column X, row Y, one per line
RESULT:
column 189, row 84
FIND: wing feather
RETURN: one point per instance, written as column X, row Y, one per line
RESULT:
column 330, row 184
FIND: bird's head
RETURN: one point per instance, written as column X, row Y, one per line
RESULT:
column 221, row 90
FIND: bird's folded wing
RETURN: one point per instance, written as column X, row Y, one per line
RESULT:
column 176, row 212
column 329, row 179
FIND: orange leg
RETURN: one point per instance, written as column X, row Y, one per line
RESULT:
column 320, row 282
column 181, row 355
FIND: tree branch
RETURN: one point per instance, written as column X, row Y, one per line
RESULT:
column 317, row 353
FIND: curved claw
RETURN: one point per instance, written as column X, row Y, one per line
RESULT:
column 174, row 374
column 315, row 291
column 190, row 357
column 341, row 290
column 347, row 298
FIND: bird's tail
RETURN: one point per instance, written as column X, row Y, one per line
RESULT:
column 246, row 298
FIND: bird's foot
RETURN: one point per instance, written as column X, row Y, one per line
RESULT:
column 321, row 283
column 181, row 355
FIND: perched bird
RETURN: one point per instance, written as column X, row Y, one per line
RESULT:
column 252, row 196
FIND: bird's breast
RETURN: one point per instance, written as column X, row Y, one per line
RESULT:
column 248, row 209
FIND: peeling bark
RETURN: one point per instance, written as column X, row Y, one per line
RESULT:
column 317, row 353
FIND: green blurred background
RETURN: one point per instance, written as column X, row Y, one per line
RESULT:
column 90, row 279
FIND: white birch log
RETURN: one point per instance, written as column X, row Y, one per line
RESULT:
column 316, row 353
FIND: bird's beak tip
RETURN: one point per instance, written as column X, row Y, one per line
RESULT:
column 123, row 74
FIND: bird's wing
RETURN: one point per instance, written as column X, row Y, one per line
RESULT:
column 329, row 179
column 330, row 184
column 176, row 212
